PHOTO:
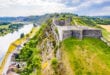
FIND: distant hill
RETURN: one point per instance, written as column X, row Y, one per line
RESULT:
column 103, row 17
column 82, row 20
column 7, row 19
column 37, row 19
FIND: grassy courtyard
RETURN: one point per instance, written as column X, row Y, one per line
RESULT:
column 89, row 56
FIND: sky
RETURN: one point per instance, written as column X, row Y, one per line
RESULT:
column 40, row 7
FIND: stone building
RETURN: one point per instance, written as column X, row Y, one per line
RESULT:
column 80, row 32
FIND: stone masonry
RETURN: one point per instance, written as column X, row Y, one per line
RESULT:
column 80, row 32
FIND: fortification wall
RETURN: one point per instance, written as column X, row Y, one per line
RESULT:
column 82, row 33
column 77, row 34
column 60, row 23
column 72, row 33
column 92, row 33
column 67, row 34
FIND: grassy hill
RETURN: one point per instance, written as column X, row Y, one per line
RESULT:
column 83, row 20
column 95, row 22
column 35, row 19
column 89, row 56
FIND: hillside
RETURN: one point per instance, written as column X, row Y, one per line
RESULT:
column 44, row 54
column 85, row 20
column 35, row 19
column 6, row 28
column 89, row 56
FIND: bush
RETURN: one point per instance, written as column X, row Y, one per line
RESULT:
column 54, row 64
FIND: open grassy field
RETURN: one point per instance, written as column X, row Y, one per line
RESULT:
column 107, row 27
column 89, row 56
column 17, row 42
column 4, row 26
column 106, row 31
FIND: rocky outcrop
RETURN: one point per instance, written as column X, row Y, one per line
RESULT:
column 50, row 49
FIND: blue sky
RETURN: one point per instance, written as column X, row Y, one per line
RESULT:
column 40, row 7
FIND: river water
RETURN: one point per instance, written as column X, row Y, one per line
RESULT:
column 6, row 40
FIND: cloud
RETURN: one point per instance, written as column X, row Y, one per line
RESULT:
column 33, row 7
column 39, row 7
column 89, row 3
column 105, row 11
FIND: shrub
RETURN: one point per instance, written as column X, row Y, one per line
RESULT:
column 54, row 64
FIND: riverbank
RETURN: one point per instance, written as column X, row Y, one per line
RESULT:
column 6, row 40
column 10, row 28
column 13, row 47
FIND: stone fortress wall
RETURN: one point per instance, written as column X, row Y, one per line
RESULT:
column 81, row 33
column 66, row 30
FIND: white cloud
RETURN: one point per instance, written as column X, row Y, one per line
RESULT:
column 88, row 3
column 102, row 12
column 32, row 7
column 39, row 7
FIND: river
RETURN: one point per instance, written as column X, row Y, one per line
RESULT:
column 6, row 40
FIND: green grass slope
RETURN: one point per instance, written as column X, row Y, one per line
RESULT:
column 89, row 56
